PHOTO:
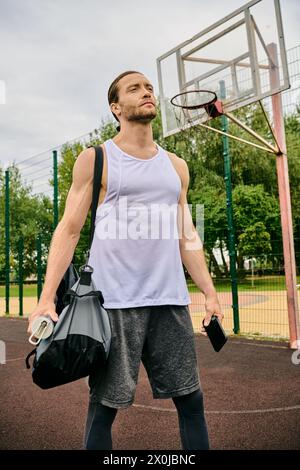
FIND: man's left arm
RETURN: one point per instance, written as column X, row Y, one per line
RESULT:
column 191, row 249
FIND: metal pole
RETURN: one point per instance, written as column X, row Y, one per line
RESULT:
column 231, row 228
column 239, row 139
column 55, row 190
column 253, row 133
column 7, row 242
column 39, row 266
column 285, row 207
column 21, row 248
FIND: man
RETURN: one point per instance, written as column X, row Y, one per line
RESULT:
column 138, row 269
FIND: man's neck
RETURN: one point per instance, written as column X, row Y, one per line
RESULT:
column 136, row 137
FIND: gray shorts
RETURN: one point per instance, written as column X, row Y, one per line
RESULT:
column 163, row 338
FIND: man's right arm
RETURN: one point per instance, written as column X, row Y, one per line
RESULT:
column 67, row 233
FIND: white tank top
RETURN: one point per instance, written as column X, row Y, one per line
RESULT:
column 135, row 250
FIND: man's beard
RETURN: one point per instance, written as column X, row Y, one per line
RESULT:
column 138, row 115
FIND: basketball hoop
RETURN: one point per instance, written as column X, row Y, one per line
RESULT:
column 196, row 107
column 194, row 99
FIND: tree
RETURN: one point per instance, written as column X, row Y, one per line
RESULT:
column 255, row 241
column 256, row 213
column 29, row 216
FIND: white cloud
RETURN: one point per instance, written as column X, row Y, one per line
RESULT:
column 58, row 59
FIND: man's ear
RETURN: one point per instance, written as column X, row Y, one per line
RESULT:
column 115, row 109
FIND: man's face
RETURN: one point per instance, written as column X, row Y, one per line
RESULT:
column 136, row 99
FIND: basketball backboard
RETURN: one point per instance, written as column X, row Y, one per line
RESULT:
column 240, row 50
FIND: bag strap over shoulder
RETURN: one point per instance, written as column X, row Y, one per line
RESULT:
column 98, row 169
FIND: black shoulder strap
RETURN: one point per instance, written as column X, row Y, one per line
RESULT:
column 98, row 168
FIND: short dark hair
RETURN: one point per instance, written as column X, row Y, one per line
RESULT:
column 113, row 91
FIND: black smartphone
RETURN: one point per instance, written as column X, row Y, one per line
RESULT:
column 215, row 333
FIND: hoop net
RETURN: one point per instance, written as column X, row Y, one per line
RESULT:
column 192, row 107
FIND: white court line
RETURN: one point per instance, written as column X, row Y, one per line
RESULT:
column 229, row 412
column 16, row 359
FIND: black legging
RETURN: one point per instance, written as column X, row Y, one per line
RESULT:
column 192, row 424
column 98, row 427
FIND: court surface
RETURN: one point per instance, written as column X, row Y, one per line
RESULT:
column 251, row 391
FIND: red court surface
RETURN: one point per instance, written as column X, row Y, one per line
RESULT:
column 251, row 392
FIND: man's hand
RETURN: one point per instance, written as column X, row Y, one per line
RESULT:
column 43, row 308
column 212, row 307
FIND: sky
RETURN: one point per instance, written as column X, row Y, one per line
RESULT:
column 58, row 58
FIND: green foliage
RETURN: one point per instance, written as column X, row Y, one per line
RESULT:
column 292, row 129
column 255, row 241
column 252, row 204
column 29, row 215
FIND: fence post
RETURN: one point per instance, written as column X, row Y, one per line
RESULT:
column 7, row 242
column 20, row 256
column 55, row 190
column 231, row 229
column 39, row 265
